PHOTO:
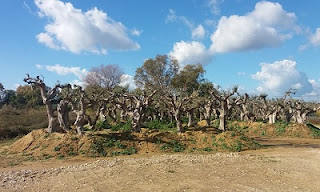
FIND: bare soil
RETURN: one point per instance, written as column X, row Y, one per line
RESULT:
column 282, row 164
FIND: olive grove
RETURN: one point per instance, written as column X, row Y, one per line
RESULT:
column 165, row 93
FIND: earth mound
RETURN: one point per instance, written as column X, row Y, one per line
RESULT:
column 45, row 145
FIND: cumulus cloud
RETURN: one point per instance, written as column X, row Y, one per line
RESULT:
column 198, row 32
column 214, row 6
column 62, row 70
column 127, row 80
column 190, row 53
column 268, row 25
column 280, row 76
column 77, row 31
column 315, row 93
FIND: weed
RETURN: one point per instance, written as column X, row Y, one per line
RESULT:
column 205, row 139
column 119, row 145
column 237, row 147
column 35, row 147
column 315, row 132
column 225, row 146
column 46, row 135
column 280, row 127
column 72, row 153
column 57, row 148
column 208, row 149
column 60, row 157
column 74, row 138
column 214, row 144
column 43, row 147
column 122, row 126
column 115, row 153
column 171, row 171
column 11, row 164
column 129, row 151
column 174, row 145
column 103, row 125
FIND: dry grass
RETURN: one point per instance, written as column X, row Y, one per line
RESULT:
column 15, row 122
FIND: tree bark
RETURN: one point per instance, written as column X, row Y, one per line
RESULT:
column 63, row 115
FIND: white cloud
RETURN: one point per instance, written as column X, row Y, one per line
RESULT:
column 315, row 94
column 199, row 32
column 190, row 53
column 268, row 25
column 241, row 73
column 172, row 17
column 196, row 32
column 280, row 76
column 136, row 32
column 62, row 70
column 127, row 80
column 39, row 66
column 78, row 82
column 76, row 31
column 27, row 6
column 315, row 38
column 214, row 6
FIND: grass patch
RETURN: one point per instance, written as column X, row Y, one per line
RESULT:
column 173, row 146
column 315, row 132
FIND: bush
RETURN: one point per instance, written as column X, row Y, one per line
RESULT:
column 125, row 126
column 159, row 125
column 103, row 125
column 174, row 146
column 16, row 122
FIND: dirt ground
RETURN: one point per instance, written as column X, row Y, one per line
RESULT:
column 287, row 164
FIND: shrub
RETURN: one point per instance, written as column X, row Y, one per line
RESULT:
column 125, row 126
column 174, row 145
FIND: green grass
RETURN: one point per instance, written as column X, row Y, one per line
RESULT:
column 315, row 132
column 173, row 146
column 280, row 127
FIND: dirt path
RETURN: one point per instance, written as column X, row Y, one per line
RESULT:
column 287, row 165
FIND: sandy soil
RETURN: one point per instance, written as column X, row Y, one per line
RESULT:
column 286, row 165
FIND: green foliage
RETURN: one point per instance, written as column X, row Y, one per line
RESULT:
column 129, row 151
column 174, row 146
column 159, row 125
column 124, row 126
column 57, row 148
column 103, row 125
column 25, row 97
column 15, row 122
column 101, row 146
column 35, row 147
column 237, row 147
column 119, row 145
column 280, row 127
column 208, row 149
column 315, row 132
column 60, row 157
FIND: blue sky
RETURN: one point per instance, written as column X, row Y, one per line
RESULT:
column 261, row 46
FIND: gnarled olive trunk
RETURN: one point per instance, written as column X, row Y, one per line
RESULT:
column 63, row 115
column 177, row 116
